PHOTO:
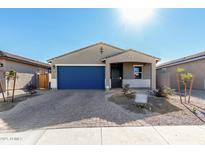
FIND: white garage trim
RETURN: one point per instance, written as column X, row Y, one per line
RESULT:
column 54, row 83
column 79, row 64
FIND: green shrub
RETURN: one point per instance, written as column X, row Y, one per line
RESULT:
column 126, row 89
column 185, row 77
column 194, row 109
column 164, row 91
column 10, row 73
column 141, row 106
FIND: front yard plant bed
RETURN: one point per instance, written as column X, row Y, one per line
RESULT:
column 128, row 103
column 159, row 105
column 197, row 110
column 159, row 110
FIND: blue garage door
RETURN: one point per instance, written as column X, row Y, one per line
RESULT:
column 81, row 77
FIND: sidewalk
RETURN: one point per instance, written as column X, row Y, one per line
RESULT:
column 110, row 135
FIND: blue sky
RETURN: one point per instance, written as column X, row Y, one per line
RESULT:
column 44, row 33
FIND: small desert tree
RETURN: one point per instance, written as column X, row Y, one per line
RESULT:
column 186, row 79
column 10, row 75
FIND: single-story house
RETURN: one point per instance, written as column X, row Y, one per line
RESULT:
column 195, row 64
column 101, row 66
column 27, row 70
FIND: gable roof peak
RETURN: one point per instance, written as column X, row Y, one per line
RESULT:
column 77, row 50
column 133, row 50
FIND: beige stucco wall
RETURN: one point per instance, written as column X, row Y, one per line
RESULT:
column 91, row 55
column 2, row 77
column 128, row 70
column 168, row 77
column 25, row 73
column 147, row 71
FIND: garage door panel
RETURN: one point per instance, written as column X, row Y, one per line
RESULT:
column 81, row 77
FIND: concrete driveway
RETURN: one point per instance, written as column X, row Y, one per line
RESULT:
column 67, row 109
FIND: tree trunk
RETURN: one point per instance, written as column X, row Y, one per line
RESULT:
column 185, row 91
column 179, row 88
column 190, row 89
column 7, row 87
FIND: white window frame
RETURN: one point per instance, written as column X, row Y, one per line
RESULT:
column 139, row 72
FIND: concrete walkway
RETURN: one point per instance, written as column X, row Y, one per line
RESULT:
column 110, row 135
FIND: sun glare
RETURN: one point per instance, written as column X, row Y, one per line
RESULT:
column 136, row 16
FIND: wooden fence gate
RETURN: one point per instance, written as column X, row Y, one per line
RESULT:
column 43, row 81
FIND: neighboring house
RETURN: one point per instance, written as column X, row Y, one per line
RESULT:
column 100, row 66
column 195, row 64
column 27, row 70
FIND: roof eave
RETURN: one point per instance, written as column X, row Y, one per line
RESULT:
column 24, row 61
column 157, row 59
column 180, row 62
column 144, row 54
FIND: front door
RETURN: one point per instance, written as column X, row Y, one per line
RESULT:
column 116, row 75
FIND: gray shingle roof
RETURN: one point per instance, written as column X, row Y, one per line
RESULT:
column 22, row 59
column 102, row 43
column 183, row 59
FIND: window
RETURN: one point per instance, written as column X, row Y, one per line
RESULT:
column 138, row 72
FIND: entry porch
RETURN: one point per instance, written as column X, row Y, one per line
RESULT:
column 131, row 67
column 137, row 75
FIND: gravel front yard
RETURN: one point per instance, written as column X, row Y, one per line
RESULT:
column 178, row 116
column 163, row 111
column 8, row 105
column 92, row 108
